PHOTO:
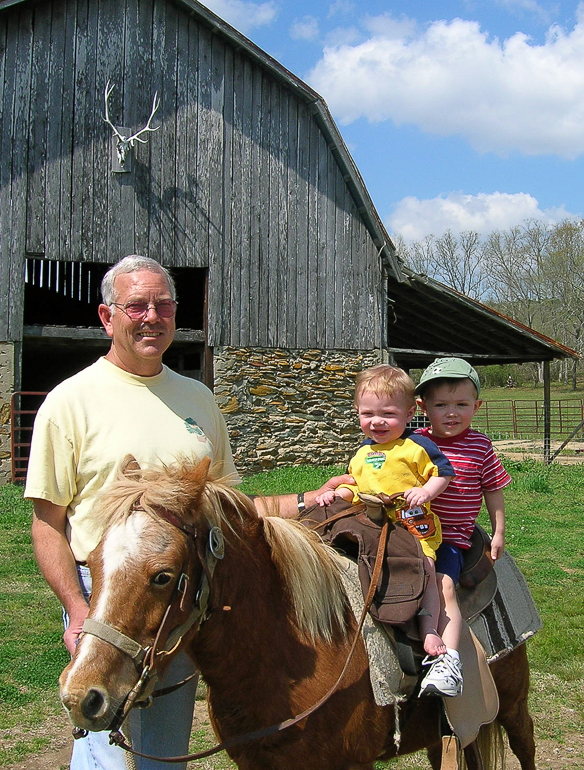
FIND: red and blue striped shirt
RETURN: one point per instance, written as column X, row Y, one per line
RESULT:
column 478, row 470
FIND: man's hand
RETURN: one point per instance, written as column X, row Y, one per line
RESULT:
column 287, row 505
column 333, row 483
column 71, row 635
column 57, row 564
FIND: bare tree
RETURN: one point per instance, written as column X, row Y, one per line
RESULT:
column 533, row 272
column 454, row 261
column 564, row 275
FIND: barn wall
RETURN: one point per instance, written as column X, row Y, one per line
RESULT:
column 289, row 407
column 6, row 389
column 239, row 177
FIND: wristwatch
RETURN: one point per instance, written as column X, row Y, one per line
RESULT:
column 301, row 503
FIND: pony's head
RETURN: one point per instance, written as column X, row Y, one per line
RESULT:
column 150, row 575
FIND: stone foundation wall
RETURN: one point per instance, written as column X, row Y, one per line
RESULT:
column 6, row 390
column 289, row 407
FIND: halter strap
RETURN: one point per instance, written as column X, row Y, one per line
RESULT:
column 116, row 639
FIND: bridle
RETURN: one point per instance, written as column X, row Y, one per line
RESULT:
column 147, row 659
column 215, row 551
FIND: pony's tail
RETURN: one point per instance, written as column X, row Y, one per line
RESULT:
column 491, row 747
column 310, row 572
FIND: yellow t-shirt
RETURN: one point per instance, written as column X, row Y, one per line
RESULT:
column 395, row 466
column 90, row 422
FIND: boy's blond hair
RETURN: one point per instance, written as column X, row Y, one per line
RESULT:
column 385, row 380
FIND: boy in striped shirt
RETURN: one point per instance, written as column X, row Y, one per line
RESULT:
column 448, row 394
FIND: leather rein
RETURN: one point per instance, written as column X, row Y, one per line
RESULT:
column 149, row 655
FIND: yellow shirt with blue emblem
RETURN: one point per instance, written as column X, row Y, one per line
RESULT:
column 409, row 461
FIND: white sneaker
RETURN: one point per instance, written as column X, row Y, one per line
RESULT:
column 443, row 678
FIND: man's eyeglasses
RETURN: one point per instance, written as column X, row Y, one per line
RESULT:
column 165, row 308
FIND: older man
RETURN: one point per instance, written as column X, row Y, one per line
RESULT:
column 127, row 402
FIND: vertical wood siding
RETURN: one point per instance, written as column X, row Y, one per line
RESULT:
column 239, row 178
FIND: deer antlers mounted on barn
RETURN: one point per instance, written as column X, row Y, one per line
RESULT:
column 124, row 144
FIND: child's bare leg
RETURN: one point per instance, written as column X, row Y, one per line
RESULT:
column 433, row 643
column 450, row 622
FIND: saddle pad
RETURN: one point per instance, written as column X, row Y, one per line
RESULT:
column 479, row 702
column 384, row 669
column 511, row 617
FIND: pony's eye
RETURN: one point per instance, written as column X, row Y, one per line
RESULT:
column 161, row 579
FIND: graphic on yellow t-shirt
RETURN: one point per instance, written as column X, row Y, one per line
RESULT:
column 376, row 460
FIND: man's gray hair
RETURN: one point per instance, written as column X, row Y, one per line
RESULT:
column 131, row 264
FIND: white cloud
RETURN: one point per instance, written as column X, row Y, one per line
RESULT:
column 531, row 7
column 305, row 29
column 242, row 15
column 341, row 7
column 414, row 219
column 450, row 78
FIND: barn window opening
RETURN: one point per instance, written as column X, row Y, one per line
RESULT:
column 61, row 293
column 68, row 293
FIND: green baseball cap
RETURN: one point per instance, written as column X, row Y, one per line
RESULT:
column 451, row 369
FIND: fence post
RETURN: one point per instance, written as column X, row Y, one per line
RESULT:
column 547, row 417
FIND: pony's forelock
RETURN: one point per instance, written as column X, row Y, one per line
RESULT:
column 171, row 487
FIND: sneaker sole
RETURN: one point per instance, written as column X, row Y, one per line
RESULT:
column 433, row 690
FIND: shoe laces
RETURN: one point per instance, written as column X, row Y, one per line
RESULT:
column 444, row 664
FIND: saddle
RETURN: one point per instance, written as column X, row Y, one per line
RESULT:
column 355, row 529
column 349, row 529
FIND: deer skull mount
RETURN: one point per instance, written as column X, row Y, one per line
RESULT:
column 124, row 142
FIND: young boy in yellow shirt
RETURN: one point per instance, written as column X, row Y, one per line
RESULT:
column 393, row 459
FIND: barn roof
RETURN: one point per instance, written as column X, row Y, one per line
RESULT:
column 337, row 146
column 428, row 319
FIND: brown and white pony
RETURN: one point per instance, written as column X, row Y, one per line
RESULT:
column 257, row 602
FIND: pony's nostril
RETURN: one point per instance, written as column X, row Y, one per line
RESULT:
column 92, row 704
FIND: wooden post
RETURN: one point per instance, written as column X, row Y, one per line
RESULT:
column 546, row 413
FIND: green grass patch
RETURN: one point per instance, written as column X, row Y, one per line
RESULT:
column 284, row 481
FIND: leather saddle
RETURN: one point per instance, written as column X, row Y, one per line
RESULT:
column 478, row 580
column 354, row 530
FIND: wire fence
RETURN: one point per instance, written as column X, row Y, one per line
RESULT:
column 524, row 419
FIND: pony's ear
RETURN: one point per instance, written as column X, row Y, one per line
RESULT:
column 195, row 478
column 129, row 465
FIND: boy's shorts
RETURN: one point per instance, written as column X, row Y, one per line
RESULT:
column 449, row 561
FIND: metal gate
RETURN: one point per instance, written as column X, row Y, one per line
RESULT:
column 23, row 408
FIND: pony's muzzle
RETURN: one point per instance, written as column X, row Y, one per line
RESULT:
column 91, row 710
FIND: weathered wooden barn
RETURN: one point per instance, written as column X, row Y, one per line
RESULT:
column 244, row 189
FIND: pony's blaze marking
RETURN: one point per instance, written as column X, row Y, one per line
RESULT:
column 123, row 543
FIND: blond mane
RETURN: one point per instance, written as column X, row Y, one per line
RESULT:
column 309, row 568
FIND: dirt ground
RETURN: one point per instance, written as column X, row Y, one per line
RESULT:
column 518, row 449
column 550, row 755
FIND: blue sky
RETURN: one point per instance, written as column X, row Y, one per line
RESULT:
column 460, row 115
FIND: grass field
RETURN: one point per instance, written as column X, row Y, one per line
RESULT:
column 545, row 508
